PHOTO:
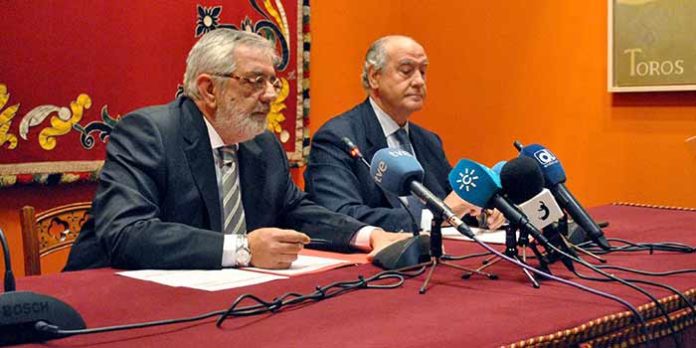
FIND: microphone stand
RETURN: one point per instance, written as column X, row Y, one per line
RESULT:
column 436, row 255
column 566, row 244
column 511, row 251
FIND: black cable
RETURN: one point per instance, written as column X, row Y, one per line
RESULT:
column 579, row 260
column 676, row 246
column 464, row 257
column 635, row 247
column 263, row 306
column 54, row 329
column 642, row 325
column 680, row 294
column 648, row 273
column 321, row 293
column 669, row 322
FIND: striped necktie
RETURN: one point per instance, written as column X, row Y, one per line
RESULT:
column 234, row 221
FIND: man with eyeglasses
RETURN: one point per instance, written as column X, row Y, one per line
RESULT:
column 199, row 184
column 393, row 76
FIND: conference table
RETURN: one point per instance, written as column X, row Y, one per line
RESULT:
column 454, row 312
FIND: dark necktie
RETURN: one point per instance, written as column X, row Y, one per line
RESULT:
column 402, row 138
column 414, row 204
column 233, row 218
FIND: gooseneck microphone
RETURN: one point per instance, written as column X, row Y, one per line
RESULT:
column 404, row 253
column 23, row 310
column 9, row 277
column 555, row 181
column 398, row 172
column 355, row 153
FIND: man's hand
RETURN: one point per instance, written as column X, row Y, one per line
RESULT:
column 379, row 239
column 461, row 207
column 494, row 218
column 275, row 248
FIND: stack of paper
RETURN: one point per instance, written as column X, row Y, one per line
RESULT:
column 229, row 278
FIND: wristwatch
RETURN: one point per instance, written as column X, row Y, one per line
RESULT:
column 242, row 252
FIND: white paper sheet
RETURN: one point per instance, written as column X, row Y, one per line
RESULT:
column 209, row 280
column 487, row 236
column 304, row 264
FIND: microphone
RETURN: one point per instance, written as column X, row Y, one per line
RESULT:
column 398, row 172
column 498, row 167
column 523, row 182
column 555, row 178
column 9, row 276
column 479, row 185
column 355, row 153
column 542, row 209
column 21, row 311
column 404, row 253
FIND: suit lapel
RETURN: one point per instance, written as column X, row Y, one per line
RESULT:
column 200, row 160
column 373, row 130
column 375, row 141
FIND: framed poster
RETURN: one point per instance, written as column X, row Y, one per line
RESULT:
column 652, row 45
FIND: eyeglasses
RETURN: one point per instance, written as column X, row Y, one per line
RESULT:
column 257, row 83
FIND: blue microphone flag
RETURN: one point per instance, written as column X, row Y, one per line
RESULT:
column 474, row 182
column 498, row 167
column 394, row 170
column 547, row 161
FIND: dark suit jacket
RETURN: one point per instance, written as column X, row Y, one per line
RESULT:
column 157, row 204
column 339, row 182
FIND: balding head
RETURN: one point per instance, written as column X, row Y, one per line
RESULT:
column 376, row 56
column 394, row 75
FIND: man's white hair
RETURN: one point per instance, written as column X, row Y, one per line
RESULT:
column 214, row 54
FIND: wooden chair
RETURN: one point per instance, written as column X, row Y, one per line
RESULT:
column 50, row 231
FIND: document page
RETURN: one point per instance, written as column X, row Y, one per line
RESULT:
column 305, row 264
column 487, row 236
column 209, row 280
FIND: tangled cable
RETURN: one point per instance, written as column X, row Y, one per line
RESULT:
column 321, row 293
column 393, row 279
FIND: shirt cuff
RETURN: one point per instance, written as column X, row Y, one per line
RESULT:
column 361, row 240
column 229, row 250
column 426, row 220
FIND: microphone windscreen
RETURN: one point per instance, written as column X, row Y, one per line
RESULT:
column 394, row 170
column 521, row 179
column 498, row 167
column 474, row 182
column 550, row 165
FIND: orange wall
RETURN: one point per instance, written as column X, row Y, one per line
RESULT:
column 505, row 70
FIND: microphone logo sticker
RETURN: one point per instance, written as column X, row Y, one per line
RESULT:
column 467, row 179
column 544, row 210
column 381, row 169
column 399, row 153
column 545, row 157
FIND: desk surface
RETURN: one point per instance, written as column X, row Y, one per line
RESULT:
column 476, row 312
